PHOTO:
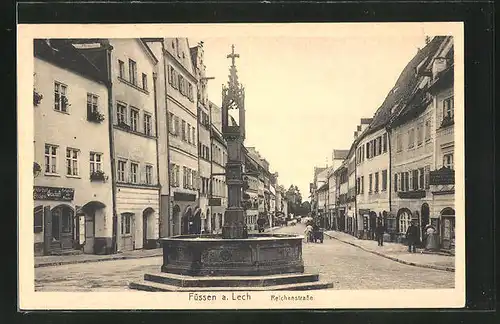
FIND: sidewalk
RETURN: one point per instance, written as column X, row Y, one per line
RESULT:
column 398, row 252
column 55, row 260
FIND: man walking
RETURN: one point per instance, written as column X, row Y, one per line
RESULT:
column 412, row 237
column 379, row 231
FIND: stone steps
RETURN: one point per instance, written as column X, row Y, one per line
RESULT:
column 151, row 286
column 230, row 281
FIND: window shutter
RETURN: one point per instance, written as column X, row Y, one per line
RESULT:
column 395, row 182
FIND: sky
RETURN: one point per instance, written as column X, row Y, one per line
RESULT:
column 304, row 96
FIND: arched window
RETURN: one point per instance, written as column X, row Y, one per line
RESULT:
column 404, row 220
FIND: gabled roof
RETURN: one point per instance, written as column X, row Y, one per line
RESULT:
column 62, row 53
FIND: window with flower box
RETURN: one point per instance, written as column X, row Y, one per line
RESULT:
column 60, row 97
column 51, row 159
column 95, row 162
column 72, row 162
column 93, row 113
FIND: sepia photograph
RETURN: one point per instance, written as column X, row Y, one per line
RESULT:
column 253, row 166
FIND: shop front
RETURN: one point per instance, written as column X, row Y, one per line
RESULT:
column 62, row 227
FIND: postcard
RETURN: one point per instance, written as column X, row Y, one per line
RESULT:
column 241, row 166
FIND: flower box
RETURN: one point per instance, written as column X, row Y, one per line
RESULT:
column 95, row 116
column 37, row 98
column 97, row 176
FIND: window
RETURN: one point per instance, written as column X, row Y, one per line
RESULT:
column 132, row 71
column 134, row 168
column 384, row 180
column 66, row 220
column 189, row 133
column 177, row 126
column 134, row 119
column 71, row 162
column 448, row 108
column 183, row 130
column 190, row 92
column 411, row 138
column 121, row 170
column 379, row 145
column 362, row 184
column 121, row 113
column 399, row 143
column 420, row 134
column 149, row 174
column 50, row 159
column 421, row 178
column 193, row 135
column 121, row 67
column 396, row 182
column 184, row 177
column 126, row 222
column 171, row 122
column 448, row 160
column 60, row 98
column 415, row 180
column 404, row 222
column 92, row 106
column 427, row 130
column 144, row 82
column 148, row 127
column 38, row 221
column 95, row 162
column 370, row 181
column 427, row 170
column 384, row 143
column 376, row 182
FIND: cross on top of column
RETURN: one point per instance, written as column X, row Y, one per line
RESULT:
column 233, row 56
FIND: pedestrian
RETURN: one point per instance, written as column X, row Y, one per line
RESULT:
column 308, row 233
column 412, row 237
column 380, row 233
column 431, row 241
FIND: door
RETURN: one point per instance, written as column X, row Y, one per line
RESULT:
column 89, row 233
column 127, row 232
column 448, row 233
column 144, row 230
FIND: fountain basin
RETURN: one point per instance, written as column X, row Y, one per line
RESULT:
column 211, row 255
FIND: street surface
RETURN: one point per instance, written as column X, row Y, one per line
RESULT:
column 348, row 267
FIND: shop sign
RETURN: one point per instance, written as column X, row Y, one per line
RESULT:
column 181, row 196
column 363, row 211
column 214, row 202
column 417, row 194
column 443, row 176
column 53, row 193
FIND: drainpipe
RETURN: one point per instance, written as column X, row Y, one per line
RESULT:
column 210, row 193
column 114, row 240
column 155, row 77
column 164, row 52
column 389, row 132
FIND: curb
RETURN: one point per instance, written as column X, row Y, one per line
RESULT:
column 59, row 263
column 114, row 258
column 428, row 266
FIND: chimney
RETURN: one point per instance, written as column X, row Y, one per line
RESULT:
column 355, row 135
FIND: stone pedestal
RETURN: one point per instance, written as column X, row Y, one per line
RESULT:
column 234, row 224
column 209, row 262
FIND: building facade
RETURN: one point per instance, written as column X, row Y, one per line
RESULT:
column 182, row 117
column 204, row 139
column 218, row 188
column 133, row 70
column 73, row 205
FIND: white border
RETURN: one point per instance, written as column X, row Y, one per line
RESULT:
column 31, row 300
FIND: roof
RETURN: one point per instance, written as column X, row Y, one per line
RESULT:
column 403, row 88
column 340, row 154
column 323, row 187
column 318, row 170
column 62, row 53
column 419, row 100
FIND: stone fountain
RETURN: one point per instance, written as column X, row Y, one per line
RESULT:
column 234, row 260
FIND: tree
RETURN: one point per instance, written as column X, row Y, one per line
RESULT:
column 305, row 207
column 294, row 200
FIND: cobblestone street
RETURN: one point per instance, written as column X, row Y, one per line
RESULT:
column 348, row 267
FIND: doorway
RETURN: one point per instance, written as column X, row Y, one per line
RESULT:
column 62, row 227
column 373, row 224
column 424, row 215
column 186, row 219
column 176, row 220
column 88, row 246
column 146, row 220
column 448, row 228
